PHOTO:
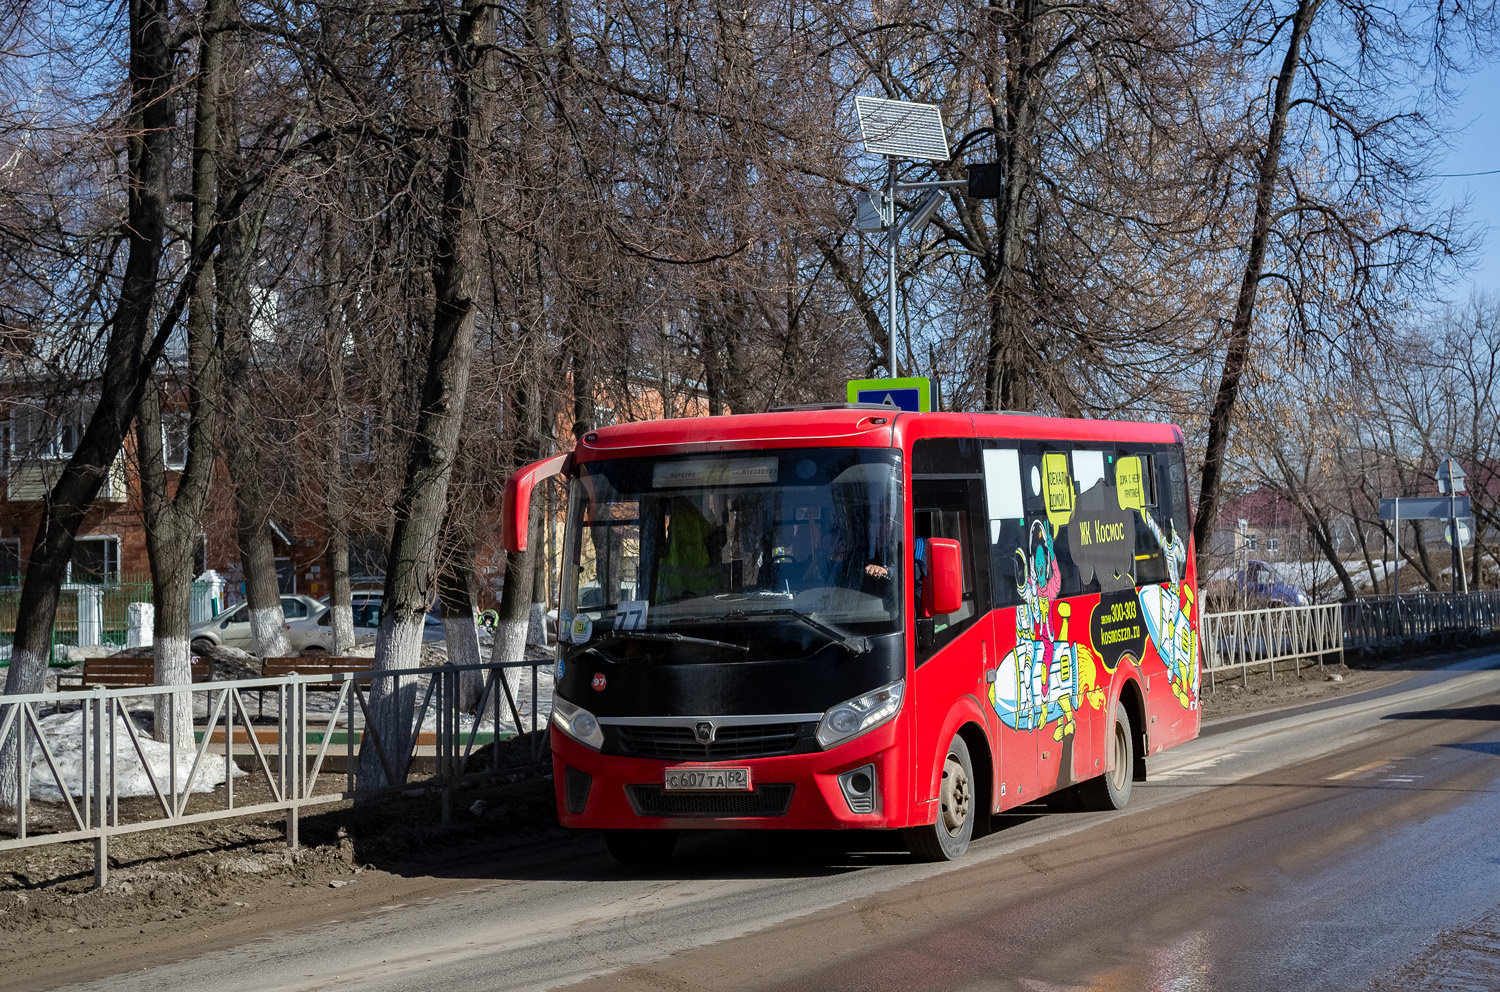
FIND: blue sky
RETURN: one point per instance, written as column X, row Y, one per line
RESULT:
column 1477, row 149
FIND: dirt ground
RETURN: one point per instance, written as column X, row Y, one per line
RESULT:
column 1232, row 697
column 182, row 891
column 188, row 888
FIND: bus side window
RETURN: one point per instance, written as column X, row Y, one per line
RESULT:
column 1093, row 481
column 1005, row 508
column 1176, row 486
column 1150, row 556
column 1037, row 483
column 944, row 508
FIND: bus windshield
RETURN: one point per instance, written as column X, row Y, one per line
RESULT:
column 711, row 546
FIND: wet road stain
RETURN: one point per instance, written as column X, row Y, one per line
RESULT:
column 1464, row 959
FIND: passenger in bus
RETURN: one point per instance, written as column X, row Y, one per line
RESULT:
column 690, row 566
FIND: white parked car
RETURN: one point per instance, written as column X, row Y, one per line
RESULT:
column 314, row 635
column 231, row 628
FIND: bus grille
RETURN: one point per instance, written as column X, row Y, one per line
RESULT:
column 766, row 800
column 764, row 740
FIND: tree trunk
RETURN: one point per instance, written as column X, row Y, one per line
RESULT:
column 262, row 586
column 1364, row 549
column 456, row 588
column 336, row 481
column 172, row 517
column 133, row 343
column 422, row 502
column 250, row 470
column 1423, row 562
column 340, row 597
column 1237, row 356
column 1007, row 379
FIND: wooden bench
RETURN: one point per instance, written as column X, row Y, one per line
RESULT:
column 122, row 673
column 317, row 664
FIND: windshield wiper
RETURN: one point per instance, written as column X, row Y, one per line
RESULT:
column 853, row 643
column 648, row 635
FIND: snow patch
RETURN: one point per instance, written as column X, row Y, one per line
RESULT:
column 76, row 652
column 64, row 735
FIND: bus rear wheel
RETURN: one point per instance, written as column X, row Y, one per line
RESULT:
column 640, row 848
column 1111, row 790
column 948, row 838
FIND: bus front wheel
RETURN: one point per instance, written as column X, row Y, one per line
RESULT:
column 948, row 837
column 640, row 848
column 1111, row 790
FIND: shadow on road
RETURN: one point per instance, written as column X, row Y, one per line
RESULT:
column 1480, row 747
column 516, row 838
column 1489, row 712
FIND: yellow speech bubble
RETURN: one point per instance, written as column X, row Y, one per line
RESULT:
column 1128, row 488
column 1057, row 484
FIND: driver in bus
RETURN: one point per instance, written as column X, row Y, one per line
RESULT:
column 831, row 552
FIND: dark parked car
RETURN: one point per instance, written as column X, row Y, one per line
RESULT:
column 1260, row 583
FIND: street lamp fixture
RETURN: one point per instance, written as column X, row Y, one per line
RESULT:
column 901, row 129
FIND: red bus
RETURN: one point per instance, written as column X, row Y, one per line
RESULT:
column 855, row 617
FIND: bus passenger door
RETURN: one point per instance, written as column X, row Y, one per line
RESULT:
column 1172, row 612
column 950, row 648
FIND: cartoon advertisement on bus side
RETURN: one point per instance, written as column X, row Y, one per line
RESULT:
column 1061, row 661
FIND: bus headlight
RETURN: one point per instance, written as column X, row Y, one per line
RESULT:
column 860, row 715
column 577, row 722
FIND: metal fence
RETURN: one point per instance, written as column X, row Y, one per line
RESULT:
column 88, row 613
column 1244, row 639
column 1418, row 617
column 97, row 614
column 217, row 762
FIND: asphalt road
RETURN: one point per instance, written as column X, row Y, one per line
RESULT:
column 1348, row 846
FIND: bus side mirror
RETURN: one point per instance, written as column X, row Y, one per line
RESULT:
column 946, row 576
column 515, row 517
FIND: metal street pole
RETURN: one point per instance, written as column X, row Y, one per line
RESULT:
column 1460, row 578
column 1396, row 581
column 892, row 232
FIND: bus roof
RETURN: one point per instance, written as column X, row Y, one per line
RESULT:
column 853, row 426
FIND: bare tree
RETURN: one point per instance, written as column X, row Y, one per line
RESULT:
column 420, row 506
column 1348, row 195
column 172, row 516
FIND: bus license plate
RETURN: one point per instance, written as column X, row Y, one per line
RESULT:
column 708, row 780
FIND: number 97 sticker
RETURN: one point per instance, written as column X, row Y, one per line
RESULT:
column 631, row 614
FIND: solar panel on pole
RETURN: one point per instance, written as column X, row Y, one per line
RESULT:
column 902, row 129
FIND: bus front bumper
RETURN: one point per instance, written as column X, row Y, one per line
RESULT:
column 817, row 791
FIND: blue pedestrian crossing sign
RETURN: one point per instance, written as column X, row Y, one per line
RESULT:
column 912, row 393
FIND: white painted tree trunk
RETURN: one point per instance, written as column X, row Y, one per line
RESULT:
column 343, row 628
column 462, row 636
column 269, row 628
column 174, row 711
column 393, row 701
column 510, row 646
column 536, row 626
column 28, row 673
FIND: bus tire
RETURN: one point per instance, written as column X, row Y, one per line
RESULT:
column 640, row 848
column 1111, row 791
column 948, row 837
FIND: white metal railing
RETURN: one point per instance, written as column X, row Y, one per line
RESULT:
column 220, row 763
column 1416, row 617
column 1244, row 639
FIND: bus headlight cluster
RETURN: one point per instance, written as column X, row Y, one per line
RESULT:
column 577, row 722
column 860, row 715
